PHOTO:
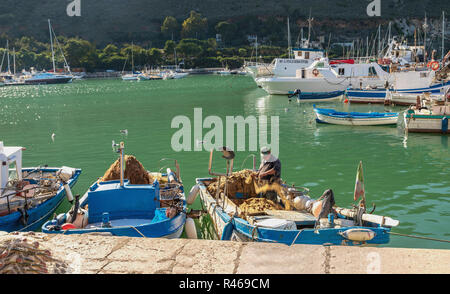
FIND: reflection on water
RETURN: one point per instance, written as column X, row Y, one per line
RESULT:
column 407, row 177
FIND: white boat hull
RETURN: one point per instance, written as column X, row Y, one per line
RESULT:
column 424, row 124
column 356, row 122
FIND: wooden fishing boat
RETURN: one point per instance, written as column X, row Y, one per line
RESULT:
column 301, row 225
column 374, row 96
column 29, row 196
column 331, row 116
column 317, row 96
column 122, row 208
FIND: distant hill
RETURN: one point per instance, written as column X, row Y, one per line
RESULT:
column 105, row 21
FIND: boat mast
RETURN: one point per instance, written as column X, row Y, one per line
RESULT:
column 14, row 60
column 309, row 26
column 379, row 40
column 7, row 56
column 51, row 45
column 256, row 46
column 289, row 38
column 443, row 34
column 132, row 58
column 425, row 26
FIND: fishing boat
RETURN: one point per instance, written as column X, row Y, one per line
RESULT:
column 331, row 116
column 29, row 196
column 302, row 221
column 317, row 97
column 428, row 115
column 144, row 204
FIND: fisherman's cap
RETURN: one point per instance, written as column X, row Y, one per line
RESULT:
column 265, row 150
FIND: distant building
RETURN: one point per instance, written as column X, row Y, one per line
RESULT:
column 218, row 38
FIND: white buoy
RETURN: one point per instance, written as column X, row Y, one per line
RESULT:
column 191, row 231
column 193, row 194
column 68, row 192
column 359, row 235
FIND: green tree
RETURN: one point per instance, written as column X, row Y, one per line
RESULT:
column 226, row 29
column 188, row 49
column 194, row 26
column 170, row 27
column 169, row 47
column 80, row 53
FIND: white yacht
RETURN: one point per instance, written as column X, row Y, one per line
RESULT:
column 322, row 77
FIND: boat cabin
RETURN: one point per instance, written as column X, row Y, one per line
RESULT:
column 304, row 57
column 9, row 157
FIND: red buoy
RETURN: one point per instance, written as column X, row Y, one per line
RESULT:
column 68, row 226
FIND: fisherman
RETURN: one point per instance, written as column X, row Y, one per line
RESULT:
column 270, row 168
column 269, row 172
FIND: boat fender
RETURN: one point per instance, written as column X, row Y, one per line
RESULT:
column 358, row 235
column 61, row 218
column 171, row 176
column 190, row 229
column 193, row 194
column 67, row 226
column 69, row 194
column 227, row 231
column 444, row 127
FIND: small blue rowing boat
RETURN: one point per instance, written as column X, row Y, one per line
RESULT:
column 29, row 196
column 316, row 96
column 331, row 116
column 124, row 208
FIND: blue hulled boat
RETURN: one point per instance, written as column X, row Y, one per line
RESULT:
column 317, row 96
column 331, row 116
column 29, row 196
column 123, row 208
column 309, row 221
column 397, row 96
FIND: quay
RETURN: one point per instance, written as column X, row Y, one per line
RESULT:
column 96, row 254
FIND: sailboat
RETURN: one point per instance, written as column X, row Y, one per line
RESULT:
column 133, row 76
column 51, row 77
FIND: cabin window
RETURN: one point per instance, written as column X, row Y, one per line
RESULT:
column 342, row 71
column 300, row 53
column 303, row 73
column 306, row 55
column 372, row 72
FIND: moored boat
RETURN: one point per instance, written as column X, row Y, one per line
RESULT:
column 127, row 201
column 428, row 115
column 29, row 196
column 298, row 219
column 331, row 116
column 317, row 97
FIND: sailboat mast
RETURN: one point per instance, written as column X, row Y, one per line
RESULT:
column 132, row 58
column 256, row 45
column 425, row 26
column 7, row 56
column 51, row 45
column 289, row 38
column 309, row 27
column 14, row 60
column 443, row 34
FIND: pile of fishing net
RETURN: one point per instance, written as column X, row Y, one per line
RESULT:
column 134, row 172
column 18, row 256
column 239, row 182
column 251, row 189
column 257, row 206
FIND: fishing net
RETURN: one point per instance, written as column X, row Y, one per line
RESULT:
column 257, row 206
column 134, row 172
column 251, row 192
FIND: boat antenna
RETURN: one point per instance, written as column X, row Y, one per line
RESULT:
column 443, row 34
column 425, row 27
column 310, row 20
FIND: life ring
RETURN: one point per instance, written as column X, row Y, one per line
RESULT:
column 315, row 72
column 435, row 65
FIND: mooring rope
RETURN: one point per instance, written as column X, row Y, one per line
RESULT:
column 420, row 237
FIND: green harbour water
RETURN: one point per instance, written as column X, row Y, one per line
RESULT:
column 407, row 178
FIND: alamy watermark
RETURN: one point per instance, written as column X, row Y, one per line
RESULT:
column 186, row 140
column 74, row 8
column 374, row 8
